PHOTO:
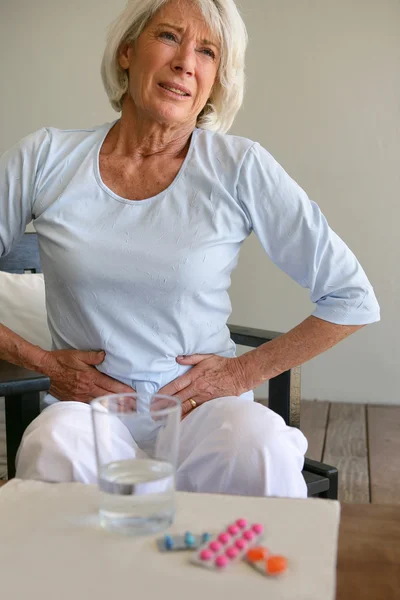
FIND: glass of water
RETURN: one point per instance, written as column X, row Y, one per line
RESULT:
column 136, row 441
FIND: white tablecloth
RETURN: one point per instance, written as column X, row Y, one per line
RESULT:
column 51, row 547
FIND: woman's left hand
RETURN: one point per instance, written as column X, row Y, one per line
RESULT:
column 211, row 377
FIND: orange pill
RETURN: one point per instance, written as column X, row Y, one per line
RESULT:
column 257, row 553
column 276, row 565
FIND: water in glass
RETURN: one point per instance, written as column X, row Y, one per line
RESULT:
column 137, row 496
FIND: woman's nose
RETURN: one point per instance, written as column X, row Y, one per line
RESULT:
column 184, row 60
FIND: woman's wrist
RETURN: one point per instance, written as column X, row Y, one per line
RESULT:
column 16, row 350
column 32, row 357
column 254, row 367
column 40, row 360
column 28, row 355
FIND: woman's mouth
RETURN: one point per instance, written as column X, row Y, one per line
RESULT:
column 178, row 91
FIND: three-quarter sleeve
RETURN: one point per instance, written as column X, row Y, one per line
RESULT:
column 297, row 238
column 19, row 174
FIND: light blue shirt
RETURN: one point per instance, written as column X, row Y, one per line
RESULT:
column 148, row 280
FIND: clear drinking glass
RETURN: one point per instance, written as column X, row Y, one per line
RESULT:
column 136, row 441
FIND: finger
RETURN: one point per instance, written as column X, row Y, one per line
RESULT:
column 121, row 405
column 190, row 394
column 187, row 407
column 163, row 403
column 92, row 357
column 111, row 385
column 193, row 359
column 178, row 384
column 95, row 392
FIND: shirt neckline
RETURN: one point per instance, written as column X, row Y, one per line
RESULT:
column 158, row 196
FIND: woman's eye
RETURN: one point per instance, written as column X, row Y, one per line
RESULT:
column 209, row 52
column 167, row 35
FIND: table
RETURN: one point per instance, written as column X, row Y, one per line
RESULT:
column 369, row 552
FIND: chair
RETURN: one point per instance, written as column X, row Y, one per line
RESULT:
column 22, row 387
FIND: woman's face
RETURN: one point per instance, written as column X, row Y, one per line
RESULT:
column 173, row 65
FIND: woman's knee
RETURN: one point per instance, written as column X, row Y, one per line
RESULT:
column 252, row 424
column 273, row 452
column 58, row 445
column 250, row 450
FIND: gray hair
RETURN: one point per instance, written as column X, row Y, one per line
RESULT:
column 224, row 21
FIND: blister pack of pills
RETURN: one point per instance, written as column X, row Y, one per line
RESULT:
column 229, row 546
column 179, row 542
column 269, row 565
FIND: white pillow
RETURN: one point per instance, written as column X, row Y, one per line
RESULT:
column 23, row 309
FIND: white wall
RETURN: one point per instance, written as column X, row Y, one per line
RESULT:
column 323, row 96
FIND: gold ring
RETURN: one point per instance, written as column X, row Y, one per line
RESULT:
column 192, row 402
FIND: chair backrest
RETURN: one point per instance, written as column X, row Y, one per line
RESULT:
column 24, row 257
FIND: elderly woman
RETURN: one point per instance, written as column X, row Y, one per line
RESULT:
column 140, row 223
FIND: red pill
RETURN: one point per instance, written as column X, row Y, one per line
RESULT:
column 248, row 535
column 221, row 561
column 240, row 544
column 215, row 546
column 241, row 523
column 233, row 529
column 224, row 538
column 232, row 552
column 206, row 555
column 258, row 528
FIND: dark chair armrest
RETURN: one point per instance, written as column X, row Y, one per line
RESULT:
column 323, row 470
column 284, row 390
column 248, row 336
column 21, row 389
column 17, row 380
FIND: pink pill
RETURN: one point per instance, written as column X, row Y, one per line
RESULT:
column 221, row 561
column 224, row 538
column 248, row 535
column 241, row 523
column 232, row 552
column 240, row 544
column 233, row 529
column 215, row 546
column 206, row 555
column 258, row 528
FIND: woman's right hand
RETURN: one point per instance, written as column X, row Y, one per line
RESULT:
column 73, row 375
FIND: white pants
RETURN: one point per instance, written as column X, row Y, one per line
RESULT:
column 229, row 445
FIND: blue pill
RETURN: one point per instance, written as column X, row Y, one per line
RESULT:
column 205, row 537
column 189, row 539
column 169, row 542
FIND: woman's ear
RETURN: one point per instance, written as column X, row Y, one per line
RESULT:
column 125, row 55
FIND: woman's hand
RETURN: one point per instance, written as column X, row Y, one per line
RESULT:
column 73, row 375
column 211, row 377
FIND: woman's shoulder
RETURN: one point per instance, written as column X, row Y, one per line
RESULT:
column 69, row 139
column 233, row 149
column 231, row 144
column 54, row 138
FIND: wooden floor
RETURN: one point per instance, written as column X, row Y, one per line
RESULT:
column 363, row 442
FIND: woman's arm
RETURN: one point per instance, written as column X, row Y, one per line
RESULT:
column 72, row 373
column 308, row 339
column 16, row 350
column 214, row 376
column 298, row 239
